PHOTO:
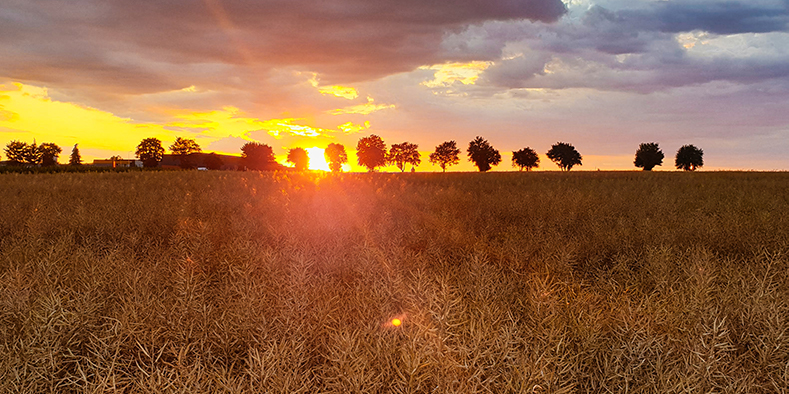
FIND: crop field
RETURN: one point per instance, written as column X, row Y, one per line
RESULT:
column 246, row 282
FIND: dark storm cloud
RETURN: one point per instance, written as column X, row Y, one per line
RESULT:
column 714, row 17
column 154, row 44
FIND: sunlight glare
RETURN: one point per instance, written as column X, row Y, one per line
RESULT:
column 317, row 160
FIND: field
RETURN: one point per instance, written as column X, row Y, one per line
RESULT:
column 285, row 283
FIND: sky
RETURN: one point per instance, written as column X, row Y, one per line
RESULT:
column 603, row 75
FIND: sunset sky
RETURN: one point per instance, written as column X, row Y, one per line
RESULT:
column 603, row 75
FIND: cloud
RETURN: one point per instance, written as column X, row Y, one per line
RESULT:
column 362, row 109
column 644, row 47
column 152, row 45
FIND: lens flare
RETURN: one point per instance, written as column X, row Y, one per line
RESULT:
column 317, row 160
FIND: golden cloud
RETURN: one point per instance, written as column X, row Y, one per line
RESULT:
column 362, row 109
column 449, row 73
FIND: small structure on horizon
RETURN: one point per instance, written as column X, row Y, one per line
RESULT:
column 117, row 163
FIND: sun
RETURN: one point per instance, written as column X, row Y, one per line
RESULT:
column 317, row 160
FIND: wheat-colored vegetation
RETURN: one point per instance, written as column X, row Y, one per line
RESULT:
column 286, row 283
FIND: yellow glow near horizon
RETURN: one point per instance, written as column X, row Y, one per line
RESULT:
column 317, row 160
column 449, row 73
column 27, row 112
column 230, row 120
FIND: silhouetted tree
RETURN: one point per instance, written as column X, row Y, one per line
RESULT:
column 213, row 162
column 335, row 155
column 150, row 151
column 648, row 156
column 564, row 155
column 299, row 158
column 371, row 152
column 15, row 152
column 402, row 154
column 32, row 154
column 689, row 158
column 19, row 152
column 49, row 154
column 482, row 154
column 183, row 147
column 257, row 156
column 75, row 159
column 525, row 158
column 445, row 155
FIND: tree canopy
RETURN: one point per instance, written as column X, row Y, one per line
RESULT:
column 445, row 155
column 525, row 158
column 257, row 156
column 482, row 154
column 15, row 151
column 689, row 158
column 371, row 152
column 49, row 154
column 150, row 151
column 183, row 147
column 405, row 153
column 299, row 158
column 648, row 156
column 564, row 155
column 335, row 155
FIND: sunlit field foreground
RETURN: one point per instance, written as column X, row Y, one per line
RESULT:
column 501, row 282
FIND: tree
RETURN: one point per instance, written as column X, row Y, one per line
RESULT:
column 482, row 154
column 336, row 156
column 564, row 155
column 19, row 152
column 648, row 156
column 75, row 159
column 402, row 154
column 689, row 158
column 257, row 156
column 214, row 162
column 525, row 158
column 445, row 155
column 49, row 154
column 15, row 152
column 299, row 158
column 150, row 151
column 183, row 147
column 371, row 152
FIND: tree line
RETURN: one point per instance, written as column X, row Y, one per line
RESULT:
column 371, row 152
